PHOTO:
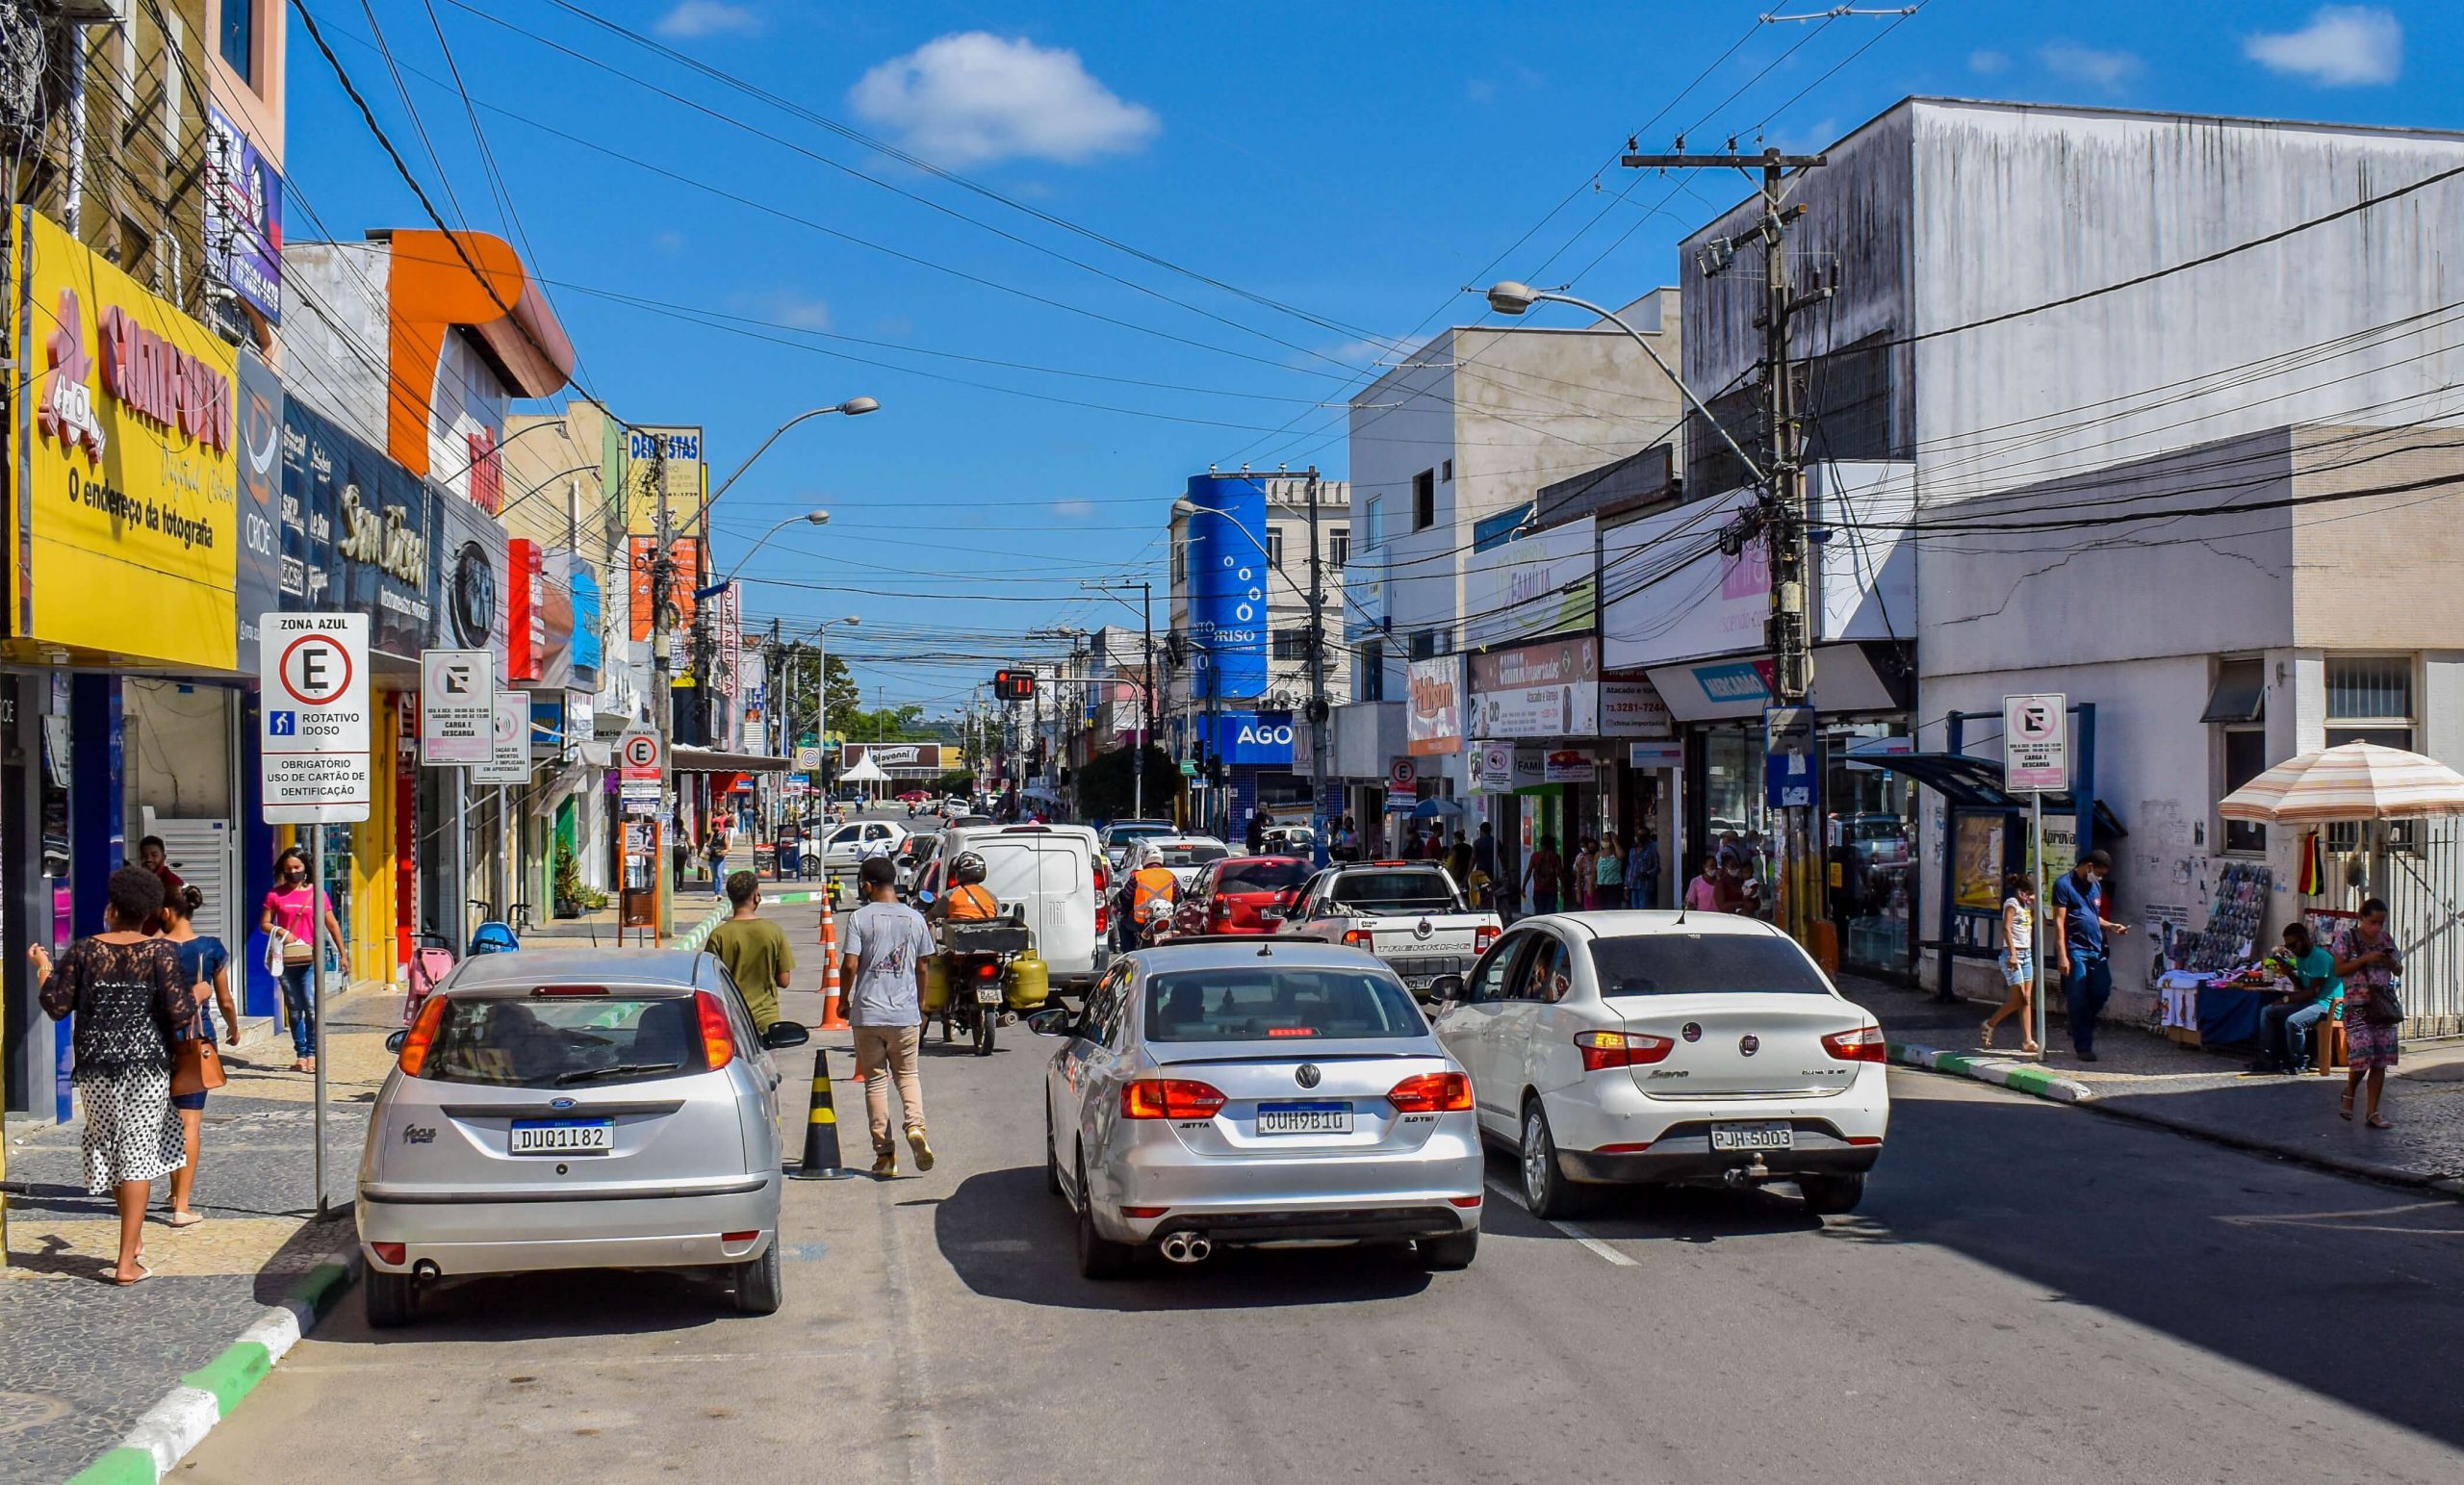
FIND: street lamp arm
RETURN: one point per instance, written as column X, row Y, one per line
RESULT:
column 853, row 407
column 816, row 518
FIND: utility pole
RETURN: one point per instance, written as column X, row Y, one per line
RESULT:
column 662, row 692
column 1318, row 709
column 1788, row 632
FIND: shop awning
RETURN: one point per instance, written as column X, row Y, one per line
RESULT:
column 711, row 761
column 1976, row 784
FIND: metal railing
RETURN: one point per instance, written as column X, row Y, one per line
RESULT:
column 2421, row 877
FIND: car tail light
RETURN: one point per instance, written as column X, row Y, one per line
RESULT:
column 1142, row 1213
column 1865, row 1044
column 1103, row 915
column 569, row 989
column 1169, row 1098
column 1360, row 938
column 1482, row 939
column 738, row 1237
column 1602, row 1049
column 1472, row 1200
column 718, row 1043
column 1222, row 912
column 1431, row 1093
column 421, row 1035
column 1292, row 1031
column 389, row 1253
column 1103, row 879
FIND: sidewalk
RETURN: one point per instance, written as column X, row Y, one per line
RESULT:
column 2141, row 1076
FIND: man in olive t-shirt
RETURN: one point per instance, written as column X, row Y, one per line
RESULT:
column 754, row 950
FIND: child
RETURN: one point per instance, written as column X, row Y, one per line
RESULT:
column 2019, row 960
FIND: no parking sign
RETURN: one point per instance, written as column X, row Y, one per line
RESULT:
column 314, row 727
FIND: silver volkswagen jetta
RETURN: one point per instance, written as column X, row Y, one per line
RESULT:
column 1257, row 1091
column 575, row 1109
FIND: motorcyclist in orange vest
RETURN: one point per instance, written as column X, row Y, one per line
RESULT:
column 968, row 900
column 1153, row 890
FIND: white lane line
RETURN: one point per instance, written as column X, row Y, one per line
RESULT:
column 1568, row 1228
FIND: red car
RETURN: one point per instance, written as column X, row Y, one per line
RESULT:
column 1227, row 896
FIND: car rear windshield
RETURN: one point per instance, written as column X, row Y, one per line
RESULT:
column 1273, row 1005
column 1682, row 963
column 1191, row 855
column 1395, row 892
column 1263, row 875
column 565, row 1041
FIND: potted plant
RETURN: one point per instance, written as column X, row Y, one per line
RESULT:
column 569, row 887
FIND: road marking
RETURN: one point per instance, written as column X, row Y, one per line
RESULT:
column 1568, row 1228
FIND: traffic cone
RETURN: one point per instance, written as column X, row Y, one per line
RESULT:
column 821, row 1130
column 833, row 1017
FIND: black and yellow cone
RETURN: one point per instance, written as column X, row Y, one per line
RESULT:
column 821, row 1129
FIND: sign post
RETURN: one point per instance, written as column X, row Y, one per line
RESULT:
column 640, row 758
column 2036, row 756
column 316, row 772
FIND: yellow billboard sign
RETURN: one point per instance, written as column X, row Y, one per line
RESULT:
column 124, row 489
column 679, row 451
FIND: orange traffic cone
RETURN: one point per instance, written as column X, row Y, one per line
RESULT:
column 832, row 1017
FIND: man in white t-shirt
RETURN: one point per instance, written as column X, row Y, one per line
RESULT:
column 885, row 943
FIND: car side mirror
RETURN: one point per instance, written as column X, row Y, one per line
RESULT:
column 394, row 1042
column 1051, row 1021
column 780, row 1036
column 1446, row 989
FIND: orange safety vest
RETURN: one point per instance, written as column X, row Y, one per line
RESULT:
column 972, row 902
column 1153, row 889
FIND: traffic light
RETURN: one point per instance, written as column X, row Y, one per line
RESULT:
column 1013, row 685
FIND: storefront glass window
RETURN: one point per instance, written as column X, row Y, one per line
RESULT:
column 1870, row 818
column 1733, row 804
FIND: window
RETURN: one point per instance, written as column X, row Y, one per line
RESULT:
column 564, row 1041
column 1372, row 523
column 1339, row 546
column 1448, row 475
column 1262, row 875
column 1490, row 982
column 1292, row 644
column 1180, row 563
column 2246, row 758
column 1265, row 1003
column 239, row 39
column 1677, row 963
column 1425, row 645
column 1409, row 889
column 2370, row 698
column 1274, row 547
column 1425, row 499
column 1373, row 670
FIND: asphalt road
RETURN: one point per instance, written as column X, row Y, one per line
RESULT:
column 2031, row 1293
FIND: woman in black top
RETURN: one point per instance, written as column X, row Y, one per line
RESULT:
column 127, row 994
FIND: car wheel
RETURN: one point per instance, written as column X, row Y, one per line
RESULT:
column 1099, row 1257
column 1051, row 1153
column 391, row 1299
column 1546, row 1191
column 1446, row 1254
column 1827, row 1196
column 761, row 1287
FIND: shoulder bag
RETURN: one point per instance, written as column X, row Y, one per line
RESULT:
column 2385, row 1007
column 196, row 1063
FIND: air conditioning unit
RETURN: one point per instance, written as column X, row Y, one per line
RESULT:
column 1280, row 700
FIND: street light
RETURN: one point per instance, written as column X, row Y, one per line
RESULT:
column 811, row 518
column 1507, row 296
column 853, row 407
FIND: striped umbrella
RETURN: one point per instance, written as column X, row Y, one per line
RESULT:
column 2358, row 781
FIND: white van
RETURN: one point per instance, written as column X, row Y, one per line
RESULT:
column 1057, row 874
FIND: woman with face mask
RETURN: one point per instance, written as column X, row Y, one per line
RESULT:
column 295, row 910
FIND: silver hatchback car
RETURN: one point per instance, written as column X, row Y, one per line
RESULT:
column 1257, row 1091
column 575, row 1109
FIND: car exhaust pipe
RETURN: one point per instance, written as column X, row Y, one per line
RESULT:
column 1187, row 1248
column 426, row 1268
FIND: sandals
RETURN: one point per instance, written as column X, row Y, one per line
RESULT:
column 111, row 1277
column 2376, row 1121
column 2344, row 1112
column 184, row 1220
column 1985, row 1039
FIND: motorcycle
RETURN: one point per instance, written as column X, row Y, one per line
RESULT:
column 978, row 962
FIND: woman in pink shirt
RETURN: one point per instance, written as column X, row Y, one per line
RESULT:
column 1703, row 894
column 289, row 908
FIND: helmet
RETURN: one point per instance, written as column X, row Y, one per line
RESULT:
column 966, row 870
column 1150, row 855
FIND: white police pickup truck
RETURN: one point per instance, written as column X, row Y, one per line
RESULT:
column 1409, row 914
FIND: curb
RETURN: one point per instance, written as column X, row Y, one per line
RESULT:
column 692, row 937
column 2027, row 1078
column 207, row 1395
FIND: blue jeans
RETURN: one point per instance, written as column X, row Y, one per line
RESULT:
column 2284, row 1033
column 2085, row 986
column 299, row 1004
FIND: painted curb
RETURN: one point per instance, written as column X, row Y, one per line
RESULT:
column 2021, row 1077
column 693, row 937
column 207, row 1395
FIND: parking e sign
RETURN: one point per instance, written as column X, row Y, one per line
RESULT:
column 314, row 702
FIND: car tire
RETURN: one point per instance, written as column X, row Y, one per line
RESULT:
column 1831, row 1195
column 760, row 1286
column 1100, row 1258
column 1444, row 1255
column 1051, row 1153
column 390, row 1299
column 1546, row 1191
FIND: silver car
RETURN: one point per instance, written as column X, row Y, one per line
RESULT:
column 1257, row 1091
column 575, row 1109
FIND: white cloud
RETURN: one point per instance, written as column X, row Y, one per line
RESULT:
column 972, row 95
column 708, row 18
column 1073, row 510
column 2108, row 70
column 2343, row 45
column 1987, row 63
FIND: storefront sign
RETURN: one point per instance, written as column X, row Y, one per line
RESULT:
column 1228, row 585
column 913, row 757
column 1433, row 722
column 472, row 577
column 547, row 724
column 1497, row 769
column 1566, row 765
column 314, row 727
column 1539, row 691
column 358, row 533
column 243, row 216
column 1656, row 755
column 643, row 560
column 257, row 581
column 508, row 742
column 1632, row 708
column 2035, row 744
column 1254, row 739
column 457, row 706
column 126, row 511
column 680, row 449
column 1545, row 584
column 590, row 619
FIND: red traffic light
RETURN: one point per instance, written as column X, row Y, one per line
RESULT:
column 1013, row 685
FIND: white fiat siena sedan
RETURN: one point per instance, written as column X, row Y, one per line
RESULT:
column 1664, row 1047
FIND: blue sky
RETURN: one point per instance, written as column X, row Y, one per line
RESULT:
column 1336, row 172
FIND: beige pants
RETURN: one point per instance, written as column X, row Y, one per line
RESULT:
column 884, row 1053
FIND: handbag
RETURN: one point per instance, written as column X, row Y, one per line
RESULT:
column 196, row 1063
column 2385, row 1007
column 297, row 952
